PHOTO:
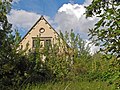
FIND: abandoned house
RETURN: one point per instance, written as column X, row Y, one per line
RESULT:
column 40, row 29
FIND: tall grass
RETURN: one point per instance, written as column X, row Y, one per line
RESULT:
column 70, row 86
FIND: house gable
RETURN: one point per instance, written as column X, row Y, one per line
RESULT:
column 42, row 29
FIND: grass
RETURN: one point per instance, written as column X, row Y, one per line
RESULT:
column 70, row 86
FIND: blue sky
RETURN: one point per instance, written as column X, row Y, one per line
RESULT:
column 63, row 15
column 45, row 7
column 25, row 13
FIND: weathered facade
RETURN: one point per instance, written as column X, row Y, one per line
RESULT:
column 40, row 29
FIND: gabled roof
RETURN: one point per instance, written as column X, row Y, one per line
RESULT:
column 41, row 18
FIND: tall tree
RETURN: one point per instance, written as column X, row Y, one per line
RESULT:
column 106, row 32
column 5, row 26
column 8, row 44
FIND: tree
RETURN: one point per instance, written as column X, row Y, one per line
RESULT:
column 12, row 64
column 5, row 26
column 106, row 32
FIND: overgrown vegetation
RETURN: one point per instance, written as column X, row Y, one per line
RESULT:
column 67, row 64
column 106, row 33
column 70, row 86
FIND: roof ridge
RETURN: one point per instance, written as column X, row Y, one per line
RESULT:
column 42, row 17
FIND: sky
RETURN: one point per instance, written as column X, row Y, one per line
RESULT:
column 63, row 15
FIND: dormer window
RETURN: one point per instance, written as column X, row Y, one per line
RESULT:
column 42, row 30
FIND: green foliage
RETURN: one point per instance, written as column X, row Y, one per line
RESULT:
column 68, row 60
column 107, row 30
column 113, row 74
column 13, row 65
column 106, row 33
column 4, row 24
column 64, row 59
column 70, row 86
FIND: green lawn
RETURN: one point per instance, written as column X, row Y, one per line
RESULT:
column 71, row 86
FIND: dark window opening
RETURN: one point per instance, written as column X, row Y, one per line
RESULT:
column 48, row 42
column 34, row 43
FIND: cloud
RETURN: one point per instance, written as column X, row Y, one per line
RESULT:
column 25, row 19
column 71, row 1
column 93, row 48
column 71, row 16
column 87, row 2
column 22, row 18
column 49, row 20
column 15, row 1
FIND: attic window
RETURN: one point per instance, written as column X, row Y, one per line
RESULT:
column 34, row 43
column 42, row 30
column 48, row 42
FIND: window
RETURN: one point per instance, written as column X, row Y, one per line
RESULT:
column 48, row 42
column 21, row 46
column 34, row 43
column 41, row 43
column 44, row 41
column 42, row 30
